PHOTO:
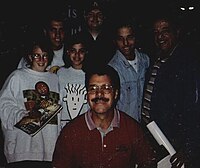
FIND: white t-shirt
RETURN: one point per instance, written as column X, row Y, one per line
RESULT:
column 134, row 63
column 72, row 93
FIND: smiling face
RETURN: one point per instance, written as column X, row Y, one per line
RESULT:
column 94, row 19
column 42, row 88
column 101, row 96
column 164, row 36
column 125, row 42
column 38, row 59
column 77, row 54
column 56, row 34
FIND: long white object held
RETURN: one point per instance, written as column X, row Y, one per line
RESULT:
column 162, row 140
column 160, row 137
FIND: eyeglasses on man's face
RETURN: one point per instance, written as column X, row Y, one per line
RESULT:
column 40, row 56
column 106, row 88
column 95, row 13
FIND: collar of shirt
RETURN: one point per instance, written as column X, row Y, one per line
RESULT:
column 59, row 53
column 123, row 58
column 90, row 123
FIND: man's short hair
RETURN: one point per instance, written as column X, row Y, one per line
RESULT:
column 125, row 22
column 56, row 16
column 104, row 70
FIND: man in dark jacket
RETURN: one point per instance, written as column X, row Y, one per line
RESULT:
column 97, row 35
column 170, row 93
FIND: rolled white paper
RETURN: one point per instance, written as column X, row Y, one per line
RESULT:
column 162, row 140
column 160, row 137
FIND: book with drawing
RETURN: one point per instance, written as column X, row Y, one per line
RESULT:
column 43, row 108
column 32, row 124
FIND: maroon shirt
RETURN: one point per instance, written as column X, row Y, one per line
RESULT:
column 80, row 145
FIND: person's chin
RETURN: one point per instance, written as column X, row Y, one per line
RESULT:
column 100, row 109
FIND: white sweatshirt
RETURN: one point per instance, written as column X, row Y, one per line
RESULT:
column 72, row 93
column 19, row 145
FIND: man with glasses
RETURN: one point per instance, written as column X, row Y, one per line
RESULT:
column 103, row 136
column 95, row 31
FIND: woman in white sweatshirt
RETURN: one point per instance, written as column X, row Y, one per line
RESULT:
column 21, row 149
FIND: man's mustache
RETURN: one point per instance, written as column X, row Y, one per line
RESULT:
column 96, row 99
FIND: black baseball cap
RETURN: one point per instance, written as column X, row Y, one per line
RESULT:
column 94, row 4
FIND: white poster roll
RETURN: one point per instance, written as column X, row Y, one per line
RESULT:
column 162, row 140
column 160, row 137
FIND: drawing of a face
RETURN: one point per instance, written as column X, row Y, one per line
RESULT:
column 75, row 98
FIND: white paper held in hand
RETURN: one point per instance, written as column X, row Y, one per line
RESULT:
column 162, row 140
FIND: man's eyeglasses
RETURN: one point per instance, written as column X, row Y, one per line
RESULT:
column 103, row 88
column 98, row 15
column 40, row 56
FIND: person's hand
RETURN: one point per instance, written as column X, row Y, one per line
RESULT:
column 21, row 114
column 178, row 160
column 24, row 113
column 54, row 69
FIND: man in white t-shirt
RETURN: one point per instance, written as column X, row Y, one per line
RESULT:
column 131, row 64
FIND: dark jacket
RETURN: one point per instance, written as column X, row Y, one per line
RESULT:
column 174, row 98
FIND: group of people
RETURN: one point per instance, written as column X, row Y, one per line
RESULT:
column 109, row 90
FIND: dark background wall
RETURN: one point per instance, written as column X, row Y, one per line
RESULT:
column 19, row 18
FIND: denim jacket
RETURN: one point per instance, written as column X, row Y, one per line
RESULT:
column 132, row 82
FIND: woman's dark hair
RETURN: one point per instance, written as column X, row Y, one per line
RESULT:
column 74, row 39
